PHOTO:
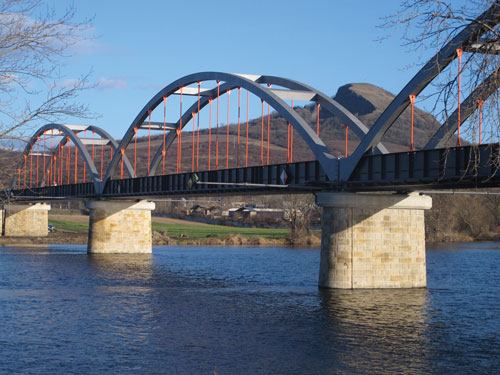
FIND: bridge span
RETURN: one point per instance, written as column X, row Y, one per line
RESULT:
column 373, row 222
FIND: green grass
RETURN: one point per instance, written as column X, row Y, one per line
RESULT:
column 185, row 230
column 199, row 231
column 69, row 226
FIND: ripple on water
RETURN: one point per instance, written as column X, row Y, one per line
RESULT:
column 241, row 311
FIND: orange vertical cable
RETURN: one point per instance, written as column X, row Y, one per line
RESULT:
column 178, row 148
column 262, row 135
column 37, row 154
column 194, row 140
column 317, row 119
column 93, row 148
column 459, row 54
column 25, row 162
column 288, row 143
column 480, row 106
column 149, row 138
column 217, row 131
column 102, row 159
column 198, row 132
column 179, row 140
column 84, row 164
column 238, row 140
column 246, row 143
column 110, row 153
column 61, row 162
column 268, row 127
column 135, row 151
column 291, row 139
column 209, row 132
column 50, row 157
column 69, row 160
column 76, row 164
column 31, row 166
column 346, row 140
column 63, row 167
column 227, row 130
column 163, row 152
column 59, row 156
column 54, row 173
column 121, row 164
column 44, row 148
column 412, row 101
column 268, row 130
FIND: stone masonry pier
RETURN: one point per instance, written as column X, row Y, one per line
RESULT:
column 119, row 227
column 25, row 220
column 373, row 240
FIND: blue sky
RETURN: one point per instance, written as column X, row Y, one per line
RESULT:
column 141, row 46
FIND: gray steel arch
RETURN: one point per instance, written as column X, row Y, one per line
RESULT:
column 431, row 69
column 68, row 133
column 441, row 137
column 331, row 105
column 327, row 103
column 105, row 135
column 319, row 149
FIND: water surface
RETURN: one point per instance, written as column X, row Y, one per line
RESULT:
column 234, row 310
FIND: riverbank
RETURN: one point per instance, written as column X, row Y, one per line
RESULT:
column 73, row 229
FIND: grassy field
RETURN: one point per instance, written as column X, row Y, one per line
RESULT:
column 182, row 232
column 194, row 232
column 68, row 226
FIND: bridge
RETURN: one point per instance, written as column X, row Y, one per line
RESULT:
column 369, row 238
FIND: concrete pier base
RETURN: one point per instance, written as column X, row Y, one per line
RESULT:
column 119, row 227
column 26, row 220
column 372, row 240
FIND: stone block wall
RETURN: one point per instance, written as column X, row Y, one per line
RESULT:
column 374, row 246
column 120, row 227
column 26, row 220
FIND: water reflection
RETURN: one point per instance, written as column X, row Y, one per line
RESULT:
column 386, row 329
column 120, row 267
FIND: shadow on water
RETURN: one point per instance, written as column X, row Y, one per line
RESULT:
column 379, row 331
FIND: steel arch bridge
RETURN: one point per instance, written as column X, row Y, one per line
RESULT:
column 369, row 167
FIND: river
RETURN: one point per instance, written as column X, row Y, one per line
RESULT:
column 234, row 310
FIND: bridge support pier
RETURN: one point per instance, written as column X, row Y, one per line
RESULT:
column 373, row 240
column 26, row 220
column 119, row 227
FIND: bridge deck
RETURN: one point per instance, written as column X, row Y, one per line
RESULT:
column 462, row 167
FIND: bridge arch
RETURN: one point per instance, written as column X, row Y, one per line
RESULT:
column 253, row 84
column 70, row 133
column 464, row 39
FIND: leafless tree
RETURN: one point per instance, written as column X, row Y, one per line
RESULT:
column 34, row 41
column 299, row 210
column 427, row 26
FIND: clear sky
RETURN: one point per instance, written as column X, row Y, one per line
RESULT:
column 141, row 46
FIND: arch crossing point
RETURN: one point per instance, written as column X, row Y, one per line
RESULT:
column 463, row 40
column 260, row 86
column 71, row 132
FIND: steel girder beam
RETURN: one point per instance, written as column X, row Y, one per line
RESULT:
column 431, row 69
